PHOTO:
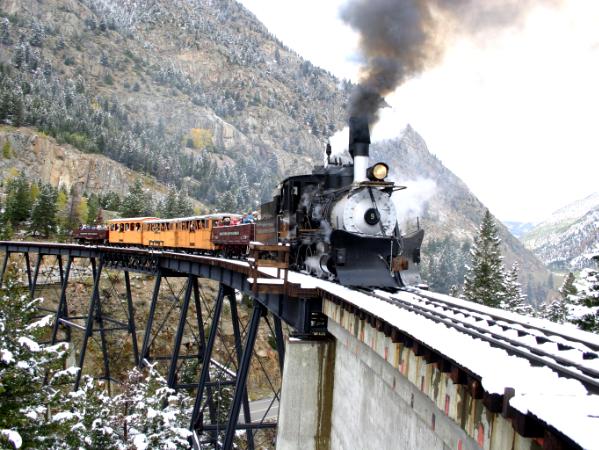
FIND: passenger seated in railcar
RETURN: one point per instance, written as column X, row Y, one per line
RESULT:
column 248, row 218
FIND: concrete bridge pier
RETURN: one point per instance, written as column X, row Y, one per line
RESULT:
column 339, row 394
column 307, row 395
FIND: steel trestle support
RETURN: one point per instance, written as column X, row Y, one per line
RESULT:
column 240, row 385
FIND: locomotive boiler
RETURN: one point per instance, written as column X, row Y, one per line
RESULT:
column 341, row 222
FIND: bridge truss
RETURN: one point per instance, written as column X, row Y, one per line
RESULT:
column 188, row 308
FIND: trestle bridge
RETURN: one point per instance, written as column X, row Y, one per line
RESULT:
column 351, row 369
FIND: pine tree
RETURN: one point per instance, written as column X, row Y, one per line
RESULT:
column 184, row 206
column 556, row 311
column 43, row 216
column 585, row 314
column 18, row 200
column 515, row 300
column 137, row 202
column 25, row 400
column 169, row 206
column 90, row 420
column 484, row 281
column 454, row 291
column 153, row 415
column 567, row 288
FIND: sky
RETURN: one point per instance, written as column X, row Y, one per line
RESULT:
column 515, row 115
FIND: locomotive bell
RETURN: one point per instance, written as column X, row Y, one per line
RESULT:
column 359, row 145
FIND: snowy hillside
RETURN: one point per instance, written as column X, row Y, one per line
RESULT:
column 565, row 239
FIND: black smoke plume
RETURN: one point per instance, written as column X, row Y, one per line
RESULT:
column 402, row 38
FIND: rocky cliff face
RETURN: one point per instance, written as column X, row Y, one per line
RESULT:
column 41, row 158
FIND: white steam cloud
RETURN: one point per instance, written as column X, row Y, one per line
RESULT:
column 410, row 202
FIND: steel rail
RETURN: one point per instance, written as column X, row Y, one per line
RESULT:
column 591, row 345
column 589, row 381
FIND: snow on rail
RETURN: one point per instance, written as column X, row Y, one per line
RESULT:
column 567, row 331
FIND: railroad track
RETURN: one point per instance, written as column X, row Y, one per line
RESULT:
column 570, row 357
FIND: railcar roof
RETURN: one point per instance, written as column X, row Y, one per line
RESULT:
column 187, row 219
column 131, row 219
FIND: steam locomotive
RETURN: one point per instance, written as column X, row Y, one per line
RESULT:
column 340, row 223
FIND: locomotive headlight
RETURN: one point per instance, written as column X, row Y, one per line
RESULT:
column 378, row 172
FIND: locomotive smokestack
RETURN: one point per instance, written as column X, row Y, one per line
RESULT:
column 359, row 146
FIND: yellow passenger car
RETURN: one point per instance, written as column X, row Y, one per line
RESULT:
column 160, row 233
column 196, row 232
column 127, row 231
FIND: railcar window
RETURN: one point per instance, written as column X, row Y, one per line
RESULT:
column 121, row 227
column 137, row 227
column 126, row 227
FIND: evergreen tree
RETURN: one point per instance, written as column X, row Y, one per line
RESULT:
column 567, row 288
column 168, row 208
column 556, row 311
column 515, row 300
column 226, row 202
column 25, row 399
column 90, row 420
column 37, row 35
column 18, row 200
column 184, row 206
column 484, row 281
column 137, row 203
column 454, row 291
column 153, row 415
column 585, row 314
column 43, row 216
column 110, row 201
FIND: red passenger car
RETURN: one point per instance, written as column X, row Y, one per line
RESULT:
column 233, row 239
column 87, row 234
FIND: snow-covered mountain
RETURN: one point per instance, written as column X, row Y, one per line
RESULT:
column 519, row 229
column 565, row 240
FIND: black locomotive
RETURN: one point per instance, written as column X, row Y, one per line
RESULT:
column 341, row 223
